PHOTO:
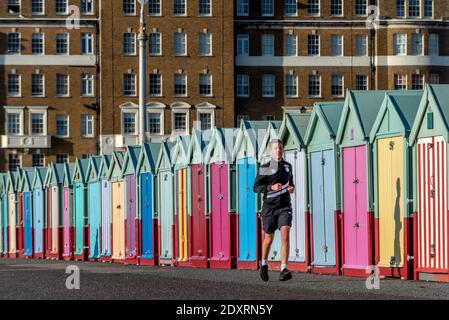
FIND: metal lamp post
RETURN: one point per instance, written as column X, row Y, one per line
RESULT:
column 142, row 72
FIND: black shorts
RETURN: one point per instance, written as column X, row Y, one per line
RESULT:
column 273, row 219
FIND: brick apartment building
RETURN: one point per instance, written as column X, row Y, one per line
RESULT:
column 211, row 60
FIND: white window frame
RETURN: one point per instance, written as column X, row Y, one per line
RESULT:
column 87, row 38
column 20, row 8
column 340, row 44
column 242, row 45
column 185, row 9
column 130, row 13
column 402, row 7
column 158, row 108
column 309, row 45
column 365, row 45
column 162, row 85
column 436, row 45
column 295, row 77
column 264, row 45
column 342, row 9
column 68, row 126
column 38, row 110
column 211, row 85
column 68, row 85
column 180, row 107
column 317, row 14
column 61, row 13
column 152, row 14
column 17, row 110
column 19, row 40
column 241, row 6
column 43, row 43
column 68, row 43
column 366, row 9
column 18, row 157
column 87, row 13
column 365, row 77
column 35, row 13
column 205, row 108
column 247, row 84
column 91, row 119
column 209, row 36
column 271, row 78
column 409, row 9
column 319, row 87
column 88, row 78
column 342, row 85
column 62, row 154
column 424, row 9
column 175, row 43
column 129, row 76
column 400, row 44
column 291, row 45
column 38, row 154
column 205, row 14
column 43, row 86
column 269, row 4
column 134, row 112
column 133, row 37
column 159, row 35
column 20, row 86
column 186, row 85
column 396, row 78
column 288, row 14
column 422, row 77
column 420, row 37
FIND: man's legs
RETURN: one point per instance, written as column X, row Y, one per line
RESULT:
column 285, row 237
column 266, row 245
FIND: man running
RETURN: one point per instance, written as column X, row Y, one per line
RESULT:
column 275, row 181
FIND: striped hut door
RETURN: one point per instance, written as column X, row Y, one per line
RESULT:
column 432, row 205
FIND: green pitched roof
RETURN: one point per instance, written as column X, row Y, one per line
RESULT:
column 329, row 114
column 222, row 138
column 27, row 179
column 148, row 156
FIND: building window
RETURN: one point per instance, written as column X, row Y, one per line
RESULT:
column 267, row 45
column 37, row 43
column 61, row 7
column 129, row 122
column 400, row 44
column 313, row 46
column 291, row 85
column 205, row 44
column 360, row 7
column 242, row 7
column 62, row 85
column 337, row 85
column 400, row 8
column 434, row 78
column 336, row 45
column 87, row 43
column 314, row 85
column 13, row 6
column 242, row 85
column 14, row 124
column 313, row 8
column 434, row 45
column 180, row 85
column 417, row 82
column 400, row 82
column 154, row 123
column 179, row 121
column 38, row 160
column 37, row 6
column 205, row 119
column 14, row 87
column 180, row 44
column 129, row 84
column 129, row 43
column 155, row 85
column 62, row 43
column 205, row 7
column 14, row 46
column 87, row 85
column 37, row 85
column 154, row 7
column 267, row 8
column 87, row 126
column 155, row 44
column 414, row 8
column 268, row 86
column 428, row 8
column 291, row 8
column 291, row 45
column 205, row 85
column 179, row 7
column 13, row 162
column 336, row 7
column 62, row 158
column 361, row 45
column 62, row 126
column 129, row 7
column 361, row 82
column 417, row 44
column 243, row 45
column 37, row 123
column 87, row 6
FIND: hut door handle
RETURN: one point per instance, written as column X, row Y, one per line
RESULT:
column 247, row 189
column 119, row 207
column 356, row 225
column 220, row 196
column 356, row 181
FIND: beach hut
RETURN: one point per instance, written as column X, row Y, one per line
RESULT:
column 19, row 229
column 146, row 176
column 393, row 183
column 359, row 113
column 429, row 138
column 68, row 229
column 292, row 132
column 12, row 179
column 324, row 188
column 199, row 219
column 132, row 223
column 55, row 192
column 183, row 215
column 39, row 217
column 26, row 189
column 221, row 198
column 81, row 217
column 94, row 206
column 106, row 212
column 165, row 204
column 118, row 206
column 245, row 155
